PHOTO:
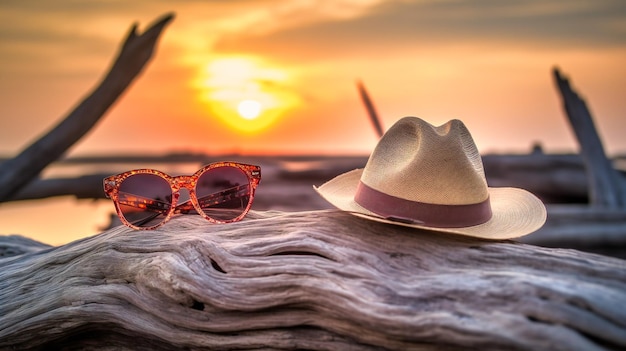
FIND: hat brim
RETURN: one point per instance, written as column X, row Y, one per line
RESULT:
column 516, row 212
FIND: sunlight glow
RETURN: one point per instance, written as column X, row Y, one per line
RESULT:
column 245, row 93
column 249, row 109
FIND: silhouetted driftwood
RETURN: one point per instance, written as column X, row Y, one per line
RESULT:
column 81, row 187
column 371, row 111
column 555, row 178
column 321, row 280
column 583, row 227
column 606, row 188
column 135, row 53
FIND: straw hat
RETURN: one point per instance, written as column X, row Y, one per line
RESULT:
column 430, row 177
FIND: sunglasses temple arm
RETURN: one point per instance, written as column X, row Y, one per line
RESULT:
column 137, row 201
column 157, row 207
column 185, row 207
column 224, row 196
column 146, row 220
column 212, row 199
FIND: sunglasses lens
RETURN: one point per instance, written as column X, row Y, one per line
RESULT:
column 145, row 199
column 223, row 193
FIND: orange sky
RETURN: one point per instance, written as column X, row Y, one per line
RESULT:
column 485, row 63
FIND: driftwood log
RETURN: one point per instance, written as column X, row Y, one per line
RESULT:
column 322, row 280
column 607, row 189
column 555, row 178
column 134, row 54
column 588, row 228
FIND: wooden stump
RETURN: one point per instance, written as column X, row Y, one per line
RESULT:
column 321, row 280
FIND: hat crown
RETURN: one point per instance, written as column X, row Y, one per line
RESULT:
column 419, row 162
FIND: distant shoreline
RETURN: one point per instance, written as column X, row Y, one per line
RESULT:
column 191, row 157
column 184, row 157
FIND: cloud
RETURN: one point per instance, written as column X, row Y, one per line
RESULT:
column 65, row 37
column 398, row 25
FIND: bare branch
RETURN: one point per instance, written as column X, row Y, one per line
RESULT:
column 606, row 188
column 135, row 53
column 371, row 111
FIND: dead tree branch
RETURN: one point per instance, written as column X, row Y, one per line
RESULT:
column 135, row 53
column 606, row 188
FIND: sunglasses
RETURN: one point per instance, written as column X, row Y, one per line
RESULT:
column 220, row 192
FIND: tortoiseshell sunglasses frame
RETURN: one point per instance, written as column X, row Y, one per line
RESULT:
column 112, row 185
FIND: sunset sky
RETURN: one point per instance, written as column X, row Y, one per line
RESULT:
column 279, row 77
column 296, row 62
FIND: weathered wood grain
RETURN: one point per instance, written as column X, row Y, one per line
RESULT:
column 321, row 280
column 14, row 245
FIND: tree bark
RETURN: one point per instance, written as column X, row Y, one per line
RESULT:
column 135, row 53
column 322, row 280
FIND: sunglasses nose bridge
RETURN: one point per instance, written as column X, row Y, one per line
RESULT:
column 183, row 181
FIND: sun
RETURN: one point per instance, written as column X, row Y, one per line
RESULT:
column 246, row 93
column 249, row 109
